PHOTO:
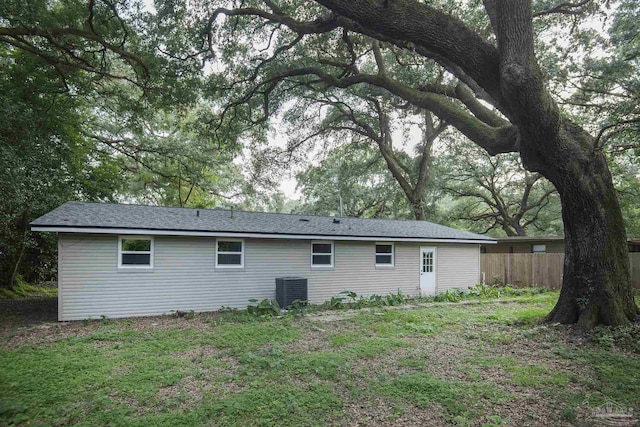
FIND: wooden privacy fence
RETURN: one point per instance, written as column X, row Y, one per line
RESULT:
column 540, row 270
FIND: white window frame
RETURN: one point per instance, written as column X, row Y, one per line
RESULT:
column 393, row 254
column 333, row 251
column 135, row 266
column 539, row 252
column 241, row 253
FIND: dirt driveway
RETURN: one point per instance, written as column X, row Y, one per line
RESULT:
column 28, row 312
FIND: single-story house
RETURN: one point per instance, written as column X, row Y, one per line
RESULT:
column 122, row 260
column 538, row 244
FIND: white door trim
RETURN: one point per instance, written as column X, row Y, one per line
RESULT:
column 428, row 282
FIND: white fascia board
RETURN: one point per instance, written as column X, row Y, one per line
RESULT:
column 141, row 231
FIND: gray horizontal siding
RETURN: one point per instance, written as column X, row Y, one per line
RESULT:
column 184, row 276
column 458, row 267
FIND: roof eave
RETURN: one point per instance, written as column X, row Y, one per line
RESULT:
column 197, row 233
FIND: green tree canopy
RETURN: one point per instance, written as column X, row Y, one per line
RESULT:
column 357, row 175
column 495, row 194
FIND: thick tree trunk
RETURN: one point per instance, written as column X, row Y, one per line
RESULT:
column 513, row 229
column 596, row 287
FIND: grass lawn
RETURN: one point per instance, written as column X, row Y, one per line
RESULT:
column 485, row 363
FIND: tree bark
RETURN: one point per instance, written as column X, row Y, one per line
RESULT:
column 414, row 190
column 418, row 210
column 596, row 285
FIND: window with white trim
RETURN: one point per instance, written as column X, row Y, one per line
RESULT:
column 538, row 249
column 230, row 253
column 321, row 254
column 384, row 254
column 135, row 251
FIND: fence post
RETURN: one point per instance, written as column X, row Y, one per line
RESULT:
column 533, row 270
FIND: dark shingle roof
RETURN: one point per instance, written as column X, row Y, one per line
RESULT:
column 102, row 215
column 526, row 239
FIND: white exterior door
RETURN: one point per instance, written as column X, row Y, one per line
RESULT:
column 427, row 271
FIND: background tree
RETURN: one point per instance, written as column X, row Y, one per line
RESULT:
column 171, row 159
column 85, row 91
column 359, row 115
column 358, row 175
column 626, row 171
column 603, row 92
column 360, row 119
column 496, row 194
column 45, row 160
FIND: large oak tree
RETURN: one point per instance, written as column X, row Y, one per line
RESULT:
column 497, row 68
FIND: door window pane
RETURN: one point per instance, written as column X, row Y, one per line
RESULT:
column 427, row 262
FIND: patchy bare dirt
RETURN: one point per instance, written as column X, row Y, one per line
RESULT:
column 26, row 312
column 20, row 326
column 383, row 412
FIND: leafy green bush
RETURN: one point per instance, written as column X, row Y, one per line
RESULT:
column 451, row 295
column 297, row 307
column 350, row 300
column 484, row 291
column 264, row 308
column 395, row 299
column 481, row 291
